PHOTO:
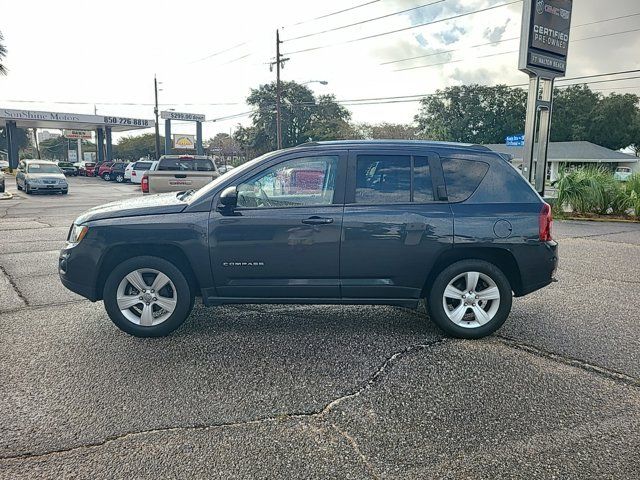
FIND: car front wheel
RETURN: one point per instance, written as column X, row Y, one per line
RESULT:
column 470, row 299
column 106, row 177
column 147, row 297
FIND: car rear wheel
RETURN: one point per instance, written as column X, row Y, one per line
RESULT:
column 119, row 178
column 147, row 297
column 470, row 299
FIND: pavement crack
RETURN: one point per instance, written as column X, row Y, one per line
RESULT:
column 608, row 373
column 356, row 449
column 14, row 286
column 317, row 415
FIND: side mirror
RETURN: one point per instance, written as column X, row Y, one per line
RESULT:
column 228, row 199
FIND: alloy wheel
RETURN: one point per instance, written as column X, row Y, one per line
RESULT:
column 146, row 297
column 471, row 299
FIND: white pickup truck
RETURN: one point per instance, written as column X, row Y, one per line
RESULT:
column 174, row 173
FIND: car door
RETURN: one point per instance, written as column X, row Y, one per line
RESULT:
column 396, row 223
column 283, row 238
column 20, row 174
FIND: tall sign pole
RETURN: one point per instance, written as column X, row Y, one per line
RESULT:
column 155, row 111
column 544, row 45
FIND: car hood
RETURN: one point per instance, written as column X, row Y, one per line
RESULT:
column 162, row 203
column 46, row 176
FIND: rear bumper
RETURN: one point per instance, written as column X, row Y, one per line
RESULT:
column 537, row 265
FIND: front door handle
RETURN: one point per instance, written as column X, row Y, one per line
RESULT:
column 315, row 220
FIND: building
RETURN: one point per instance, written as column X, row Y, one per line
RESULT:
column 47, row 135
column 573, row 153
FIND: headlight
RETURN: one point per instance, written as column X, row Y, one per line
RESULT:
column 34, row 180
column 77, row 233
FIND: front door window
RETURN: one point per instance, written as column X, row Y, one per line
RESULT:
column 301, row 182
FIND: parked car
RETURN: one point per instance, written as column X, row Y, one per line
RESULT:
column 105, row 167
column 115, row 172
column 68, row 168
column 4, row 164
column 97, row 166
column 622, row 174
column 173, row 173
column 378, row 229
column 138, row 169
column 2, row 185
column 86, row 169
column 224, row 169
column 35, row 176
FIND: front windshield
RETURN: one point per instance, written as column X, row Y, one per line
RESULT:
column 222, row 178
column 42, row 168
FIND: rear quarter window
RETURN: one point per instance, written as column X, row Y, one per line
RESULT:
column 462, row 177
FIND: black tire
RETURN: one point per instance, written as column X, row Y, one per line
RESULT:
column 64, row 192
column 26, row 189
column 106, row 177
column 184, row 293
column 18, row 186
column 119, row 178
column 436, row 307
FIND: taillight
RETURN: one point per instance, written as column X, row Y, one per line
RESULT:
column 545, row 221
column 145, row 184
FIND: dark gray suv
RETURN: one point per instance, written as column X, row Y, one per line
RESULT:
column 371, row 222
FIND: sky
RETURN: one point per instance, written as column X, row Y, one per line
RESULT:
column 208, row 55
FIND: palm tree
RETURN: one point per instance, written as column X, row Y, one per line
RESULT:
column 3, row 54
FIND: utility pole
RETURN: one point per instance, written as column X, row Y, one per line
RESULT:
column 155, row 110
column 279, row 64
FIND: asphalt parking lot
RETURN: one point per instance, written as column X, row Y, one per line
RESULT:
column 316, row 391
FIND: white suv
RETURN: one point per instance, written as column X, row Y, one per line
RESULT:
column 135, row 170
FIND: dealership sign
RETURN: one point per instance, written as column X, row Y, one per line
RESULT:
column 544, row 41
column 184, row 142
column 187, row 117
column 83, row 134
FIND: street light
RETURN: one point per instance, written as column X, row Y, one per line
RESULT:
column 321, row 82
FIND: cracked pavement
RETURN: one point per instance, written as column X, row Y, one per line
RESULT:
column 277, row 391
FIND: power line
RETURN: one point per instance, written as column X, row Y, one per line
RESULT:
column 368, row 37
column 326, row 15
column 215, row 54
column 498, row 41
column 482, row 56
column 363, row 21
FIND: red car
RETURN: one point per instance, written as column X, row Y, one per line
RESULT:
column 105, row 170
column 87, row 169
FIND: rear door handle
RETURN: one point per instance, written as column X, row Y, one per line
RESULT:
column 315, row 220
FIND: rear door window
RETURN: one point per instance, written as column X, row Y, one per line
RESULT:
column 462, row 177
column 186, row 164
column 142, row 166
column 387, row 179
column 383, row 179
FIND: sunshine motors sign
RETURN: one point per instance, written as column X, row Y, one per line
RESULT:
column 544, row 41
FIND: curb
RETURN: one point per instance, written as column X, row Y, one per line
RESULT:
column 604, row 220
column 6, row 196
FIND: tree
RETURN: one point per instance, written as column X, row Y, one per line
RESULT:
column 22, row 139
column 3, row 54
column 613, row 121
column 304, row 117
column 472, row 113
column 57, row 148
column 384, row 130
column 635, row 144
column 134, row 148
column 573, row 113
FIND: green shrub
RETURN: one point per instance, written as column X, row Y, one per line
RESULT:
column 594, row 190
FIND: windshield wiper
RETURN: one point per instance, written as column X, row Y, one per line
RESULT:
column 183, row 195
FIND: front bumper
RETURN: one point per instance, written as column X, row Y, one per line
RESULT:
column 76, row 273
column 49, row 188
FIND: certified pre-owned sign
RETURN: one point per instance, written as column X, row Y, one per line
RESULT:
column 544, row 42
